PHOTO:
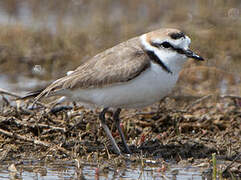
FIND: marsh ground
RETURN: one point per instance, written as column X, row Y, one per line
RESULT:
column 40, row 41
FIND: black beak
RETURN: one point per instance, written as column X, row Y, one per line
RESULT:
column 191, row 54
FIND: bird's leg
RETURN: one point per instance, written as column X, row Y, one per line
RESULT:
column 117, row 123
column 107, row 131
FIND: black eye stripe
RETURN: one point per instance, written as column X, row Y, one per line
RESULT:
column 168, row 45
column 163, row 44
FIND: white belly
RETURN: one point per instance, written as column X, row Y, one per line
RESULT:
column 148, row 88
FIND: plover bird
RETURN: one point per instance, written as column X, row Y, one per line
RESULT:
column 132, row 74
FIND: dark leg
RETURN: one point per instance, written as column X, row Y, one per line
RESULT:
column 117, row 123
column 107, row 131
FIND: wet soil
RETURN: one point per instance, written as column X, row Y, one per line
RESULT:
column 181, row 129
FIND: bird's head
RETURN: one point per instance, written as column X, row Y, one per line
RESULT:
column 171, row 46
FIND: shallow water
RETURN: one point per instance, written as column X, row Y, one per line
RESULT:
column 67, row 170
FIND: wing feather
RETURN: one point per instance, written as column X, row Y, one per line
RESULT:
column 121, row 63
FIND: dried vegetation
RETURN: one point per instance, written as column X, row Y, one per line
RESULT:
column 202, row 116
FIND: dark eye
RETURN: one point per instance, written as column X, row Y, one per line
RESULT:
column 166, row 45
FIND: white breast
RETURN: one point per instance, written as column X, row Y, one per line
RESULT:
column 148, row 88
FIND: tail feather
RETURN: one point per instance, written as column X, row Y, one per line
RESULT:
column 51, row 89
column 32, row 94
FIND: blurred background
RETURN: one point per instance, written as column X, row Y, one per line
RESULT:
column 42, row 40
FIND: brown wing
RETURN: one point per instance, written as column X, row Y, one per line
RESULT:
column 115, row 65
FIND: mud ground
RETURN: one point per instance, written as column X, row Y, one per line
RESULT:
column 181, row 129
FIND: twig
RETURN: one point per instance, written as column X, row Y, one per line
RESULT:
column 80, row 121
column 24, row 138
column 3, row 91
column 37, row 102
column 197, row 101
column 33, row 125
column 35, row 141
column 5, row 153
column 55, row 110
column 230, row 96
column 231, row 163
column 107, row 151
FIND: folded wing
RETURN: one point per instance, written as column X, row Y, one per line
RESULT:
column 116, row 65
